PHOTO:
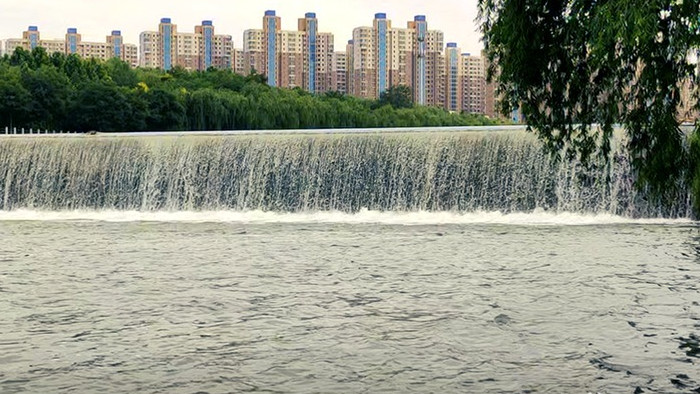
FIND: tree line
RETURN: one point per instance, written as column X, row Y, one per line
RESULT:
column 65, row 92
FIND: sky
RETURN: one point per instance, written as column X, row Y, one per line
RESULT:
column 95, row 19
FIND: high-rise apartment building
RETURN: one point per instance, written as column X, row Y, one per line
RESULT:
column 380, row 33
column 420, row 28
column 400, row 56
column 362, row 63
column 465, row 83
column 238, row 61
column 290, row 59
column 168, row 48
column 113, row 47
column 318, row 55
column 382, row 56
column 325, row 48
column 453, row 89
column 428, row 63
column 272, row 24
column 435, row 69
column 254, row 54
column 472, row 84
column 339, row 73
column 309, row 27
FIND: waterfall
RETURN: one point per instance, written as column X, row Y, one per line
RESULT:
column 445, row 171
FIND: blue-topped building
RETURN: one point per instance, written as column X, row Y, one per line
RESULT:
column 309, row 25
column 271, row 25
column 207, row 32
column 167, row 34
column 420, row 25
column 116, row 41
column 72, row 44
column 452, row 56
column 381, row 27
column 32, row 34
column 167, row 48
column 72, row 40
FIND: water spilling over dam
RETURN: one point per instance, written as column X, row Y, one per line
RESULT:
column 504, row 171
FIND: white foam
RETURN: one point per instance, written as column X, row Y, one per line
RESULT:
column 536, row 218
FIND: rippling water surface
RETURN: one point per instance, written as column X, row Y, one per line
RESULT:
column 184, row 307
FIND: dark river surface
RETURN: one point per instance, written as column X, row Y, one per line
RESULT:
column 303, row 305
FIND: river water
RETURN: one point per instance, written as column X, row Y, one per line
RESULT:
column 347, row 302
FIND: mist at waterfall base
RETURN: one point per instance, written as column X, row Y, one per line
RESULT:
column 436, row 262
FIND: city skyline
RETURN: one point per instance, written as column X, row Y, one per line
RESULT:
column 376, row 58
column 454, row 18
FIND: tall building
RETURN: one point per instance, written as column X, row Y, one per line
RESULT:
column 381, row 38
column 309, row 25
column 465, row 82
column 434, row 68
column 452, row 73
column 72, row 43
column 168, row 48
column 72, row 39
column 318, row 55
column 382, row 56
column 349, row 67
column 254, row 54
column 428, row 63
column 339, row 73
column 472, row 80
column 30, row 40
column 290, row 59
column 271, row 25
column 370, row 55
column 362, row 64
column 239, row 61
column 401, row 59
column 420, row 28
column 325, row 48
column 33, row 36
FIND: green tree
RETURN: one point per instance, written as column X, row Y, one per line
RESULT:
column 398, row 96
column 165, row 111
column 20, row 57
column 121, row 73
column 100, row 106
column 50, row 93
column 15, row 100
column 577, row 68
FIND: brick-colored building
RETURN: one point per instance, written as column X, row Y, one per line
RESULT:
column 168, row 48
column 300, row 58
column 382, row 56
column 72, row 43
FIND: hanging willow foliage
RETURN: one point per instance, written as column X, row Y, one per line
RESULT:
column 578, row 68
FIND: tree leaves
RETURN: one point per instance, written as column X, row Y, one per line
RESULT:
column 578, row 68
column 70, row 93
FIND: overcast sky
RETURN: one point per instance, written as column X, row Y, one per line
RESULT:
column 94, row 19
